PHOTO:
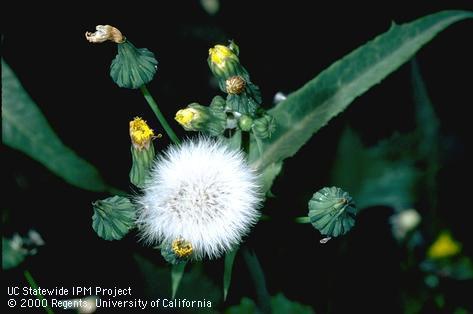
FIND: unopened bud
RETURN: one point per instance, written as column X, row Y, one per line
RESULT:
column 245, row 122
column 264, row 127
column 201, row 118
column 142, row 151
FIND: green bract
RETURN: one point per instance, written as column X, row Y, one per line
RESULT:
column 113, row 217
column 332, row 211
column 247, row 102
column 142, row 159
column 264, row 127
column 133, row 67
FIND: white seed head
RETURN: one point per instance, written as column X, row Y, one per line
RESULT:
column 201, row 192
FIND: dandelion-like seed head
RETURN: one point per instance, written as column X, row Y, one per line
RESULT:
column 201, row 193
column 140, row 133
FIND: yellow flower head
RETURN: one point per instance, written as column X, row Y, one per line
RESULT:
column 141, row 134
column 219, row 54
column 444, row 246
column 181, row 248
column 186, row 116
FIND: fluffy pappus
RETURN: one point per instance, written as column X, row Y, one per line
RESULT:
column 202, row 192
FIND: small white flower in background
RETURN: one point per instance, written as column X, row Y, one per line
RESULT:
column 86, row 305
column 404, row 222
column 200, row 193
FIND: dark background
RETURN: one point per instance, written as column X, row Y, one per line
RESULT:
column 283, row 45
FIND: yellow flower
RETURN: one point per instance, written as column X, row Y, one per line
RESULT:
column 140, row 133
column 181, row 248
column 444, row 246
column 186, row 116
column 219, row 54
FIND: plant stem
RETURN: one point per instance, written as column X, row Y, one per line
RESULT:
column 154, row 106
column 33, row 285
column 302, row 220
column 257, row 275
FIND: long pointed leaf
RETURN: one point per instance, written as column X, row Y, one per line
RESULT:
column 177, row 272
column 311, row 107
column 227, row 272
column 26, row 129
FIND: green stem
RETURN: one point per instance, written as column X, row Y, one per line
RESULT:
column 33, row 285
column 302, row 220
column 257, row 275
column 245, row 143
column 154, row 106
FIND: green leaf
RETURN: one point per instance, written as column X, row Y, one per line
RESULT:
column 311, row 107
column 26, row 129
column 428, row 133
column 268, row 176
column 279, row 305
column 158, row 286
column 428, row 124
column 227, row 272
column 177, row 272
column 113, row 217
column 246, row 306
column 375, row 176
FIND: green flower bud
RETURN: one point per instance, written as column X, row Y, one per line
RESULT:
column 332, row 211
column 113, row 217
column 142, row 151
column 264, row 127
column 200, row 118
column 224, row 63
column 245, row 122
column 133, row 67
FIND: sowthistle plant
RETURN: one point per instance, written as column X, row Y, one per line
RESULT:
column 198, row 198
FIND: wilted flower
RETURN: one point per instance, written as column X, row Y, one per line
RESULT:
column 132, row 67
column 235, row 84
column 104, row 33
column 200, row 200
